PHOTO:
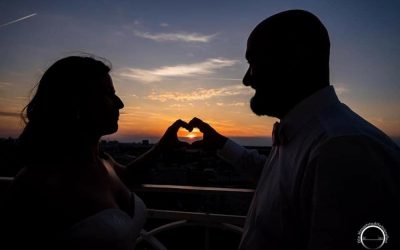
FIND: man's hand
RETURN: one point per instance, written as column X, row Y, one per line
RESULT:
column 170, row 138
column 212, row 140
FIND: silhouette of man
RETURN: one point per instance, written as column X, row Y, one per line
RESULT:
column 330, row 173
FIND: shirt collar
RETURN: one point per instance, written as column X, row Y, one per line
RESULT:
column 306, row 109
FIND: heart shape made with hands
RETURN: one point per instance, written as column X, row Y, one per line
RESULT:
column 189, row 135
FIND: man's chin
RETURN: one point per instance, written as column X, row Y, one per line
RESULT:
column 258, row 107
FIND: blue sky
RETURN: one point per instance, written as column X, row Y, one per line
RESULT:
column 179, row 59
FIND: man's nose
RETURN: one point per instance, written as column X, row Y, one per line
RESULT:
column 118, row 102
column 247, row 78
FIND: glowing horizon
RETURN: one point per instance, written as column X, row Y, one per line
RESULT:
column 188, row 61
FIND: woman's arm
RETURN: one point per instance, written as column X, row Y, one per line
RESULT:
column 167, row 142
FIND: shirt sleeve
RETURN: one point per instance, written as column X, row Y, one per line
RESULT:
column 353, row 184
column 246, row 161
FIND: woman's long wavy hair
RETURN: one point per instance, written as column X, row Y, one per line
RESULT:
column 52, row 117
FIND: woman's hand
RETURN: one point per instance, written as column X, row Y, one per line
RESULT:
column 170, row 139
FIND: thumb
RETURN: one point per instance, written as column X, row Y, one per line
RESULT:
column 198, row 144
column 182, row 144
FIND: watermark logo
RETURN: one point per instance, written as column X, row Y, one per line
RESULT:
column 372, row 236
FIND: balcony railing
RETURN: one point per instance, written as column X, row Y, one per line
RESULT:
column 178, row 219
column 206, row 220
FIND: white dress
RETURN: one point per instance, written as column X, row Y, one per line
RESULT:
column 111, row 229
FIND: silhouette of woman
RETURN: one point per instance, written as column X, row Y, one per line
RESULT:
column 67, row 195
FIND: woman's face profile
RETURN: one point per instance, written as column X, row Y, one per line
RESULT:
column 102, row 108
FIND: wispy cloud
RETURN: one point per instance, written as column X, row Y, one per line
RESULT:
column 222, row 79
column 181, row 70
column 9, row 114
column 200, row 94
column 235, row 104
column 340, row 89
column 164, row 24
column 18, row 20
column 182, row 37
column 5, row 84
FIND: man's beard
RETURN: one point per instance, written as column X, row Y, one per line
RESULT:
column 259, row 105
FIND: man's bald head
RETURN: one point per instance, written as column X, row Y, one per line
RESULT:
column 297, row 38
column 293, row 31
column 287, row 52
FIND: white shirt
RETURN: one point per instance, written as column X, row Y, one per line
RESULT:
column 335, row 173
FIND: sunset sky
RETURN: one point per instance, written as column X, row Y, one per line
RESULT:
column 180, row 59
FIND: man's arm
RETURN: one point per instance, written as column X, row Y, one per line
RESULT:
column 247, row 162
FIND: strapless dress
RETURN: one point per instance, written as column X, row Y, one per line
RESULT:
column 111, row 229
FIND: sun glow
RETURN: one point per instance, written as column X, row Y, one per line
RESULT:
column 194, row 134
column 191, row 135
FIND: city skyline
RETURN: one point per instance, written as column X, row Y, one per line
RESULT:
column 185, row 59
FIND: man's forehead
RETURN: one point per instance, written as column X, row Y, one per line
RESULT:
column 108, row 83
column 258, row 48
column 251, row 48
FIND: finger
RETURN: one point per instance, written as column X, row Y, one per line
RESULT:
column 187, row 126
column 197, row 123
column 183, row 124
column 177, row 125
